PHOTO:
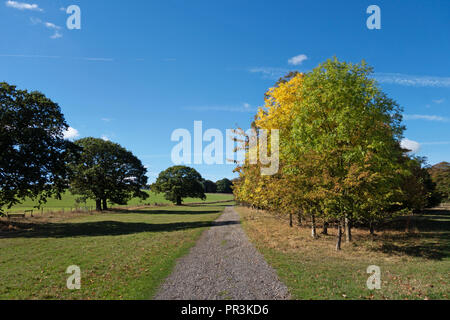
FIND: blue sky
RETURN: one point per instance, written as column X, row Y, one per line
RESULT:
column 139, row 69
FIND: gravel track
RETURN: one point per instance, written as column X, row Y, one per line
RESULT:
column 223, row 265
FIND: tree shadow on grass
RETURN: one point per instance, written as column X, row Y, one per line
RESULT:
column 169, row 211
column 102, row 228
column 429, row 239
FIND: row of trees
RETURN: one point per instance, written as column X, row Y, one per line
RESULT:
column 220, row 186
column 340, row 157
column 37, row 162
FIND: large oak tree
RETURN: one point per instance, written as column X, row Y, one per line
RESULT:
column 179, row 182
column 33, row 151
column 107, row 171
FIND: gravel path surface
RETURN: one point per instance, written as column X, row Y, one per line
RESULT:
column 223, row 265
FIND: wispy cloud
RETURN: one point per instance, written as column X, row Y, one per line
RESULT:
column 425, row 117
column 105, row 137
column 49, row 25
column 71, row 133
column 29, row 56
column 436, row 143
column 97, row 59
column 269, row 72
column 106, row 119
column 412, row 81
column 297, row 60
column 52, row 26
column 411, row 145
column 23, row 6
column 439, row 101
column 246, row 107
column 56, row 57
column 56, row 35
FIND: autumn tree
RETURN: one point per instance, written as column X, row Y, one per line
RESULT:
column 353, row 128
column 339, row 143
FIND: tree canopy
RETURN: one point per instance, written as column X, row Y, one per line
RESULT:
column 224, row 186
column 179, row 182
column 209, row 186
column 105, row 172
column 440, row 174
column 33, row 152
column 340, row 155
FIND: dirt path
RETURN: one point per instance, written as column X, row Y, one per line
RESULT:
column 223, row 265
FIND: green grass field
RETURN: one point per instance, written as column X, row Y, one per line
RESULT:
column 68, row 202
column 413, row 266
column 122, row 255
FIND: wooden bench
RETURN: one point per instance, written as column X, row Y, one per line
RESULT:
column 19, row 215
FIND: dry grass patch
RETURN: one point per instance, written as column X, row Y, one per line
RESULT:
column 414, row 265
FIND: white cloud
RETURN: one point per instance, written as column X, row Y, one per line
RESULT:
column 412, row 81
column 48, row 25
column 425, row 117
column 247, row 105
column 412, row 146
column 56, row 35
column 106, row 119
column 51, row 25
column 71, row 133
column 297, row 60
column 23, row 6
column 105, row 138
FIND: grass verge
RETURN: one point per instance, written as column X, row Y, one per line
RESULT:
column 122, row 255
column 68, row 202
column 413, row 266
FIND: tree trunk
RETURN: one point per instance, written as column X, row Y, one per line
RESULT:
column 339, row 236
column 371, row 228
column 313, row 226
column 105, row 204
column 348, row 229
column 325, row 228
column 408, row 224
column 178, row 201
column 299, row 218
column 98, row 204
column 290, row 220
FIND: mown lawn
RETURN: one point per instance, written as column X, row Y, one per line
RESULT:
column 413, row 266
column 122, row 255
column 68, row 202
